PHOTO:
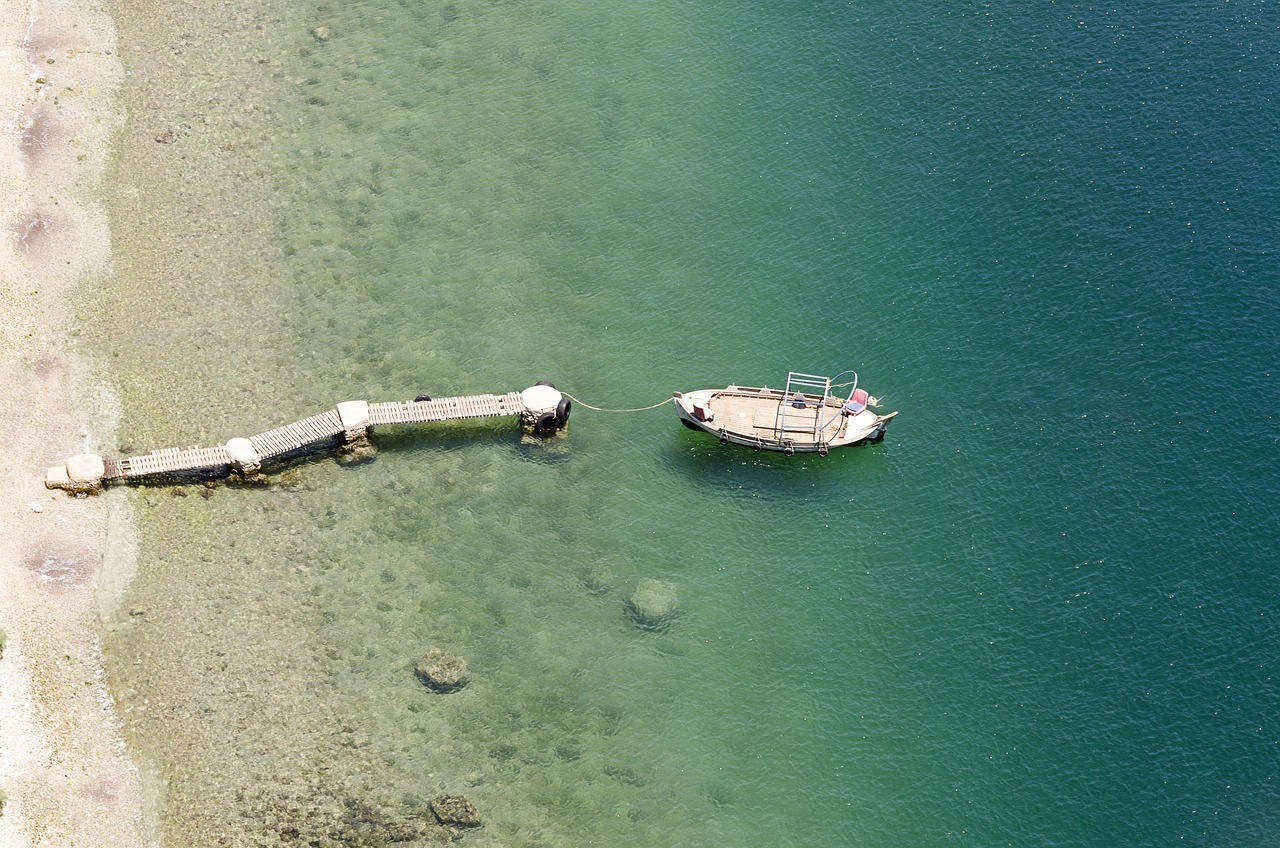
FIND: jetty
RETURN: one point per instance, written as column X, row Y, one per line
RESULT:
column 541, row 408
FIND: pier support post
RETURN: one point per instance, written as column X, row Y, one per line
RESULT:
column 354, row 415
column 244, row 456
column 546, row 409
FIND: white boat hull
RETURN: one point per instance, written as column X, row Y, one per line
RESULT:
column 770, row 419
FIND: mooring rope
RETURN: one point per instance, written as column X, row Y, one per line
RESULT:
column 598, row 409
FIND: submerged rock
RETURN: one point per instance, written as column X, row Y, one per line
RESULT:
column 290, row 478
column 321, row 814
column 359, row 451
column 442, row 671
column 455, row 811
column 653, row 604
column 598, row 581
column 248, row 478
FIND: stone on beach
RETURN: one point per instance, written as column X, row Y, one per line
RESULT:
column 442, row 672
column 653, row 604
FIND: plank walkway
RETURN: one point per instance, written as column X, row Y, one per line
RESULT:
column 166, row 461
column 445, row 409
column 298, row 436
column 327, row 427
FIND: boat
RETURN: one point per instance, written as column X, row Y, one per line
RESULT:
column 806, row 417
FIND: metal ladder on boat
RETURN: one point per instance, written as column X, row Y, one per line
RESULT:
column 796, row 413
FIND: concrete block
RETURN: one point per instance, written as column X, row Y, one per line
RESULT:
column 539, row 399
column 244, row 457
column 86, row 468
column 56, row 478
column 354, row 415
column 81, row 474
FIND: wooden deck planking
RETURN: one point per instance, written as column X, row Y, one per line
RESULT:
column 298, row 435
column 278, row 441
column 267, row 444
column 445, row 409
column 326, row 425
column 762, row 414
column 166, row 461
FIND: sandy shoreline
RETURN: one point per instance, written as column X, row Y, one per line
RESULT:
column 66, row 775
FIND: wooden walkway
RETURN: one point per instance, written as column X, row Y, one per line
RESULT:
column 299, row 435
column 446, row 409
column 166, row 461
column 309, row 433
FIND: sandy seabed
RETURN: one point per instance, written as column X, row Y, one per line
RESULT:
column 66, row 775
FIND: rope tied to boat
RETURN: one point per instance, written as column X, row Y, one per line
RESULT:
column 598, row 409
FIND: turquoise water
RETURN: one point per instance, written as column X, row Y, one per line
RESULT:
column 1040, row 612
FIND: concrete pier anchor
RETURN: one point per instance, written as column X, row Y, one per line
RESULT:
column 546, row 409
column 244, row 456
column 354, row 415
column 80, row 475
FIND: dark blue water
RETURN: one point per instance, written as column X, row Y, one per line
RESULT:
column 1041, row 612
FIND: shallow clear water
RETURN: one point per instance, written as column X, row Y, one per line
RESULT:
column 1039, row 612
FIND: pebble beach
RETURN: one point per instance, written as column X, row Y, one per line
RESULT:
column 65, row 774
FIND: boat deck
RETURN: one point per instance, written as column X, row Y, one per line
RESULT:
column 766, row 415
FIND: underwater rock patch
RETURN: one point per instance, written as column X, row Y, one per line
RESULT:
column 323, row 817
column 455, row 811
column 653, row 604
column 598, row 581
column 356, row 452
column 442, row 672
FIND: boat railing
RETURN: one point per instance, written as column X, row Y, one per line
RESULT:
column 794, row 412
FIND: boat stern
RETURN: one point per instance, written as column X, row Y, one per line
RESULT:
column 882, row 424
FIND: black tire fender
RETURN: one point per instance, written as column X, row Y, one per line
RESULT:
column 546, row 422
column 563, row 408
